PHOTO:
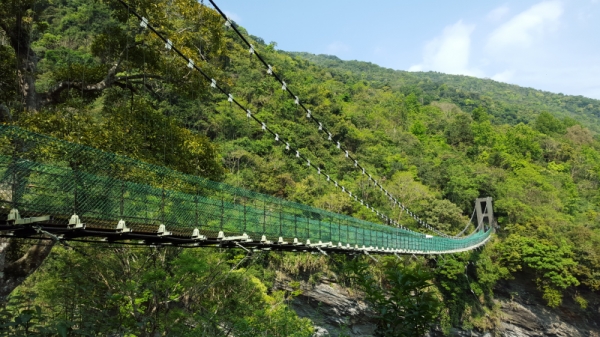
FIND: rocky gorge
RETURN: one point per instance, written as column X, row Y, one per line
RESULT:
column 339, row 311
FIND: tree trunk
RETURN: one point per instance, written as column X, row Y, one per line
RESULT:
column 13, row 273
column 19, row 36
column 27, row 66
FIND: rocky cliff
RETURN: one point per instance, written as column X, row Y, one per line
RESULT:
column 337, row 311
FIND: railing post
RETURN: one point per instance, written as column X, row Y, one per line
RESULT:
column 280, row 220
column 162, row 205
column 122, row 201
column 339, row 230
column 75, row 182
column 330, row 232
column 222, row 212
column 245, row 217
column 196, row 209
column 320, row 232
column 264, row 217
column 363, row 236
column 308, row 227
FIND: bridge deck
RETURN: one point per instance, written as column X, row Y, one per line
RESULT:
column 118, row 198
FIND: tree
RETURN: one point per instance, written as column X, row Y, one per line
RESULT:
column 117, row 46
column 403, row 302
column 122, row 60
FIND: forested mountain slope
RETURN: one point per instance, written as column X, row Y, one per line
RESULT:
column 435, row 141
column 507, row 102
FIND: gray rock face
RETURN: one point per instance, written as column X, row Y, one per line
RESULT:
column 336, row 311
column 333, row 309
column 533, row 320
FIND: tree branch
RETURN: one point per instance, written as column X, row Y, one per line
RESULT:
column 53, row 94
column 111, row 79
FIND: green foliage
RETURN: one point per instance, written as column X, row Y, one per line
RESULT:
column 8, row 78
column 552, row 265
column 144, row 292
column 403, row 301
column 436, row 142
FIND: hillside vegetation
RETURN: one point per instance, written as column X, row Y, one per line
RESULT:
column 435, row 141
column 508, row 103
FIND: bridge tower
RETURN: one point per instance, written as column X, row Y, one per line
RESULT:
column 485, row 211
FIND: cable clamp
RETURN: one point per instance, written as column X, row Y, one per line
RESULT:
column 338, row 145
column 320, row 126
column 230, row 98
column 335, row 183
column 308, row 113
column 327, row 177
column 283, row 86
column 297, row 101
column 190, row 64
column 264, row 126
column 270, row 70
column 308, row 162
column 251, row 49
column 122, row 227
column 196, row 235
column 363, row 170
column 227, row 23
column 343, row 189
column 297, row 154
column 355, row 163
column 248, row 113
column 213, row 83
column 287, row 145
column 276, row 137
column 169, row 45
column 350, row 194
column 329, row 138
column 144, row 23
column 318, row 170
column 162, row 231
column 347, row 153
column 75, row 222
column 361, row 202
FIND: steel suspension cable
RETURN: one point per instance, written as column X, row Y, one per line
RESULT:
column 324, row 129
column 190, row 63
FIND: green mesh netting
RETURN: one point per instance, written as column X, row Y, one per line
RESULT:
column 41, row 175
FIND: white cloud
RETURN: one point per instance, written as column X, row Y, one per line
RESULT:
column 337, row 47
column 449, row 53
column 524, row 28
column 233, row 16
column 504, row 76
column 498, row 13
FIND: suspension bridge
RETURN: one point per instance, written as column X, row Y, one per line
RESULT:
column 73, row 192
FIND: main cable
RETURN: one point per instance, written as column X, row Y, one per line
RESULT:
column 190, row 64
column 324, row 129
column 213, row 83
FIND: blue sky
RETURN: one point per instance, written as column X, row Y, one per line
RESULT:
column 551, row 45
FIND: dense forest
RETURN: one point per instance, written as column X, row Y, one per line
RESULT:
column 87, row 72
